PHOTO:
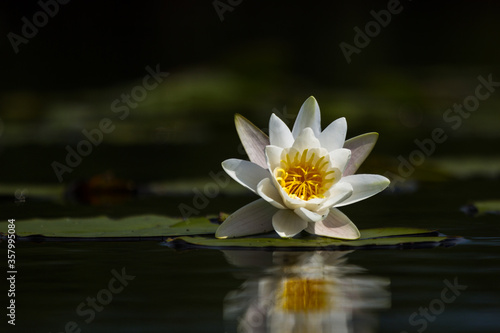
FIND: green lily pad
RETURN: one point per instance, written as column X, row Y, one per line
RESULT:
column 159, row 227
column 370, row 238
column 102, row 226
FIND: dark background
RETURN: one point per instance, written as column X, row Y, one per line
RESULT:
column 264, row 56
column 100, row 43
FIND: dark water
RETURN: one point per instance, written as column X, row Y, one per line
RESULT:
column 164, row 290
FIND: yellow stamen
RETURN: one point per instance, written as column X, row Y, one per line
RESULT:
column 302, row 178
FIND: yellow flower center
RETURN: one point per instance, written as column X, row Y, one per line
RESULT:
column 304, row 178
column 304, row 295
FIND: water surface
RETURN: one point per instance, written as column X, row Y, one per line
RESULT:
column 167, row 290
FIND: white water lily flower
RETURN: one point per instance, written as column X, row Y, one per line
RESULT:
column 301, row 176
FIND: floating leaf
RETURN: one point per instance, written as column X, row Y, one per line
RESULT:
column 102, row 226
column 468, row 166
column 46, row 192
column 158, row 227
column 370, row 238
column 482, row 207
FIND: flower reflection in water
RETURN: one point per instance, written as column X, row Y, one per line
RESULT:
column 303, row 292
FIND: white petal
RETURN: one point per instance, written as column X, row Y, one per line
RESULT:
column 313, row 205
column 338, row 193
column 287, row 223
column 291, row 203
column 310, row 216
column 309, row 116
column 273, row 154
column 279, row 133
column 269, row 193
column 364, row 186
column 336, row 225
column 333, row 136
column 360, row 147
column 253, row 140
column 246, row 173
column 339, row 158
column 254, row 218
column 306, row 140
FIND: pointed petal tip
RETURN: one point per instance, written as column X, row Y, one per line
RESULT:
column 308, row 131
column 308, row 116
column 279, row 133
column 252, row 139
column 245, row 172
column 224, row 164
column 355, row 236
column 344, row 122
column 365, row 186
column 218, row 233
column 220, row 237
column 375, row 135
column 386, row 181
column 311, row 100
column 238, row 118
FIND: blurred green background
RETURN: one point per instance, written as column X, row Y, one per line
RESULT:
column 248, row 57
